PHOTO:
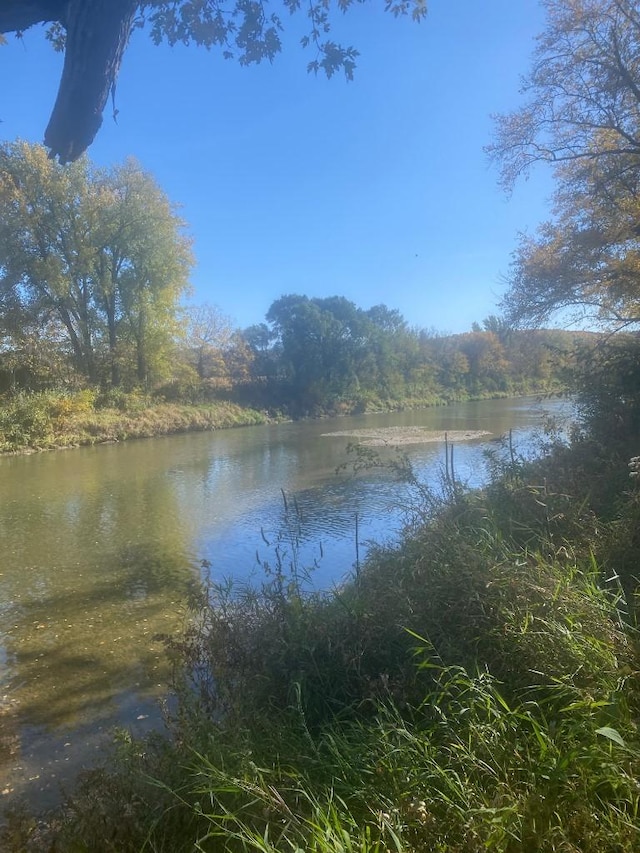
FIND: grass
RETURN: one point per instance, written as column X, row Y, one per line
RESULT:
column 48, row 420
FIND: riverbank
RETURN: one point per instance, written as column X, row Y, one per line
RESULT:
column 100, row 546
column 48, row 421
column 474, row 687
column 31, row 423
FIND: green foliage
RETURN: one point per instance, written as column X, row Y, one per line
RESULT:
column 321, row 344
column 321, row 356
column 462, row 764
column 26, row 422
column 93, row 261
column 131, row 402
column 40, row 420
column 45, row 420
column 607, row 381
column 112, row 316
column 328, row 355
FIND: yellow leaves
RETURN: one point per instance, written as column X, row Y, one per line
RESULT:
column 98, row 250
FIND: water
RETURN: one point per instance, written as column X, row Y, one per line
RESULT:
column 100, row 546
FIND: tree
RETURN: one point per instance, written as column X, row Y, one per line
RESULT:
column 101, row 252
column 487, row 364
column 582, row 94
column 209, row 333
column 264, row 355
column 498, row 326
column 391, row 352
column 238, row 360
column 95, row 33
column 586, row 262
column 582, row 115
column 314, row 336
column 329, row 350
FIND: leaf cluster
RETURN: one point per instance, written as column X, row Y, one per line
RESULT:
column 249, row 32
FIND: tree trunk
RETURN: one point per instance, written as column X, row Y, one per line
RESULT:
column 141, row 350
column 83, row 358
column 97, row 34
column 113, row 352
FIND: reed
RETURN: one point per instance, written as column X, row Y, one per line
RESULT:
column 460, row 693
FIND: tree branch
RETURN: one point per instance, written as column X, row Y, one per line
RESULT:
column 97, row 34
column 18, row 15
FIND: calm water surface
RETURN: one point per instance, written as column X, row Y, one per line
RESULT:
column 100, row 546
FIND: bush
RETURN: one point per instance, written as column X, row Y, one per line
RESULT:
column 129, row 402
column 25, row 421
column 325, row 724
column 607, row 381
column 65, row 406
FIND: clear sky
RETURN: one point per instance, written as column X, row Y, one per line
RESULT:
column 377, row 190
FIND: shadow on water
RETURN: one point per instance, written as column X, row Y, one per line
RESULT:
column 80, row 661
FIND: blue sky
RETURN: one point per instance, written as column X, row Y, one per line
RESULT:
column 377, row 190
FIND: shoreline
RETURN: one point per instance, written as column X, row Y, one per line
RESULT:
column 89, row 427
column 113, row 426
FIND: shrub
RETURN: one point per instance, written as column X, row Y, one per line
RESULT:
column 129, row 402
column 65, row 406
column 25, row 421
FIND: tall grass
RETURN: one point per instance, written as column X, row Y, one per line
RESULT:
column 50, row 419
column 472, row 688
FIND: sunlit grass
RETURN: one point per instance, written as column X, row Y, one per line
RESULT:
column 49, row 420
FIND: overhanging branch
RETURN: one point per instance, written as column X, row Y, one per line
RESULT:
column 18, row 15
column 97, row 34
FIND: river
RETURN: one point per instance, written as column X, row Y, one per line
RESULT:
column 101, row 545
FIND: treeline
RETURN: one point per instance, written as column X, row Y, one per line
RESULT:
column 310, row 357
column 318, row 354
column 94, row 270
column 314, row 356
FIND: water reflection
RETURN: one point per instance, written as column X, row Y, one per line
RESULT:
column 100, row 546
column 90, row 572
